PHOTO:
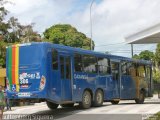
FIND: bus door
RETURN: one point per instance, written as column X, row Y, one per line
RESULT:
column 115, row 90
column 65, row 75
column 128, row 80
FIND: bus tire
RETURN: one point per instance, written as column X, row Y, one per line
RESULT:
column 115, row 102
column 86, row 100
column 141, row 98
column 67, row 105
column 98, row 99
column 51, row 105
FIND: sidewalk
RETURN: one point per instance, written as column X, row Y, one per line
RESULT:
column 155, row 97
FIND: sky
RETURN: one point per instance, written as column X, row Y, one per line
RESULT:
column 112, row 20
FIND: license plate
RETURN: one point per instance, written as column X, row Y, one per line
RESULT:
column 24, row 94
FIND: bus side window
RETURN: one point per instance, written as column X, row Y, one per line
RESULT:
column 104, row 66
column 78, row 67
column 124, row 68
column 89, row 63
column 54, row 59
column 128, row 68
column 131, row 69
column 141, row 71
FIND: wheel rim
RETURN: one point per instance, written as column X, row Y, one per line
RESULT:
column 86, row 99
column 99, row 98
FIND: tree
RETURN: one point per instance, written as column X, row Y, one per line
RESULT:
column 145, row 55
column 135, row 56
column 27, row 34
column 2, row 53
column 12, row 32
column 3, row 25
column 107, row 52
column 67, row 35
column 156, row 76
column 157, row 54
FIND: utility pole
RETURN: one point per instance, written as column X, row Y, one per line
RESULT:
column 91, row 21
column 132, row 50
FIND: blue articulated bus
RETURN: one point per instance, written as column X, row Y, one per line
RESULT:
column 62, row 75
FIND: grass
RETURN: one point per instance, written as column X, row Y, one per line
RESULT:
column 155, row 117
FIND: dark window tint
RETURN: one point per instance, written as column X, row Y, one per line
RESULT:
column 78, row 63
column 54, row 59
column 68, row 68
column 103, row 66
column 89, row 63
column 62, row 67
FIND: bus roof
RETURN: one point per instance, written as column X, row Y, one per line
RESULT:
column 83, row 51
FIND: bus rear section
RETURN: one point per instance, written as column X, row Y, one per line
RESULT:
column 26, row 81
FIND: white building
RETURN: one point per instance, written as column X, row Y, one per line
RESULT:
column 146, row 36
column 149, row 35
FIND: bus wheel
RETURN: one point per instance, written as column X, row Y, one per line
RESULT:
column 51, row 105
column 67, row 105
column 115, row 102
column 86, row 100
column 98, row 100
column 141, row 98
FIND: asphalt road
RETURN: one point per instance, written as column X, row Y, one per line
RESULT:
column 125, row 110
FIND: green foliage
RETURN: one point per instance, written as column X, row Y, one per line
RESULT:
column 67, row 35
column 136, row 56
column 145, row 55
column 2, row 53
column 12, row 32
column 156, row 76
column 154, row 117
column 3, row 11
column 157, row 54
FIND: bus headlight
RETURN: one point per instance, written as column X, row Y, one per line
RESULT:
column 42, row 83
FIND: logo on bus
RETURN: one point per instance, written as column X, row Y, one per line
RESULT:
column 77, row 76
column 31, row 75
column 24, row 78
